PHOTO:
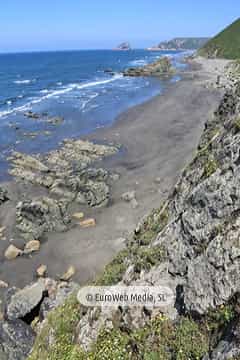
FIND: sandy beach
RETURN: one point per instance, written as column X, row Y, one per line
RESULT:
column 157, row 140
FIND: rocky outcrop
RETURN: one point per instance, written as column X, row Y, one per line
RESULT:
column 25, row 306
column 54, row 120
column 160, row 67
column 21, row 302
column 66, row 176
column 36, row 217
column 65, row 172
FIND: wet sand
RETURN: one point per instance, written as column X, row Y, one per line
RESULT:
column 158, row 139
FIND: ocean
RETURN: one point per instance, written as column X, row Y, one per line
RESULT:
column 73, row 85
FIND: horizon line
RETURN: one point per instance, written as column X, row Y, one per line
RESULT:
column 71, row 50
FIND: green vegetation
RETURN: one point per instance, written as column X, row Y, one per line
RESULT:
column 210, row 167
column 210, row 136
column 202, row 158
column 221, row 317
column 237, row 124
column 114, row 271
column 152, row 225
column 217, row 321
column 62, row 322
column 137, row 251
column 144, row 257
column 60, row 326
column 160, row 339
column 225, row 45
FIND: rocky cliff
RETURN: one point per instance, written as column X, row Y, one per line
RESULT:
column 191, row 244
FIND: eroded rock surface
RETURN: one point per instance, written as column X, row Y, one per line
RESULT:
column 43, row 215
column 23, row 301
column 66, row 175
column 160, row 67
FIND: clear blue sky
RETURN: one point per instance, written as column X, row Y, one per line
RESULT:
column 27, row 25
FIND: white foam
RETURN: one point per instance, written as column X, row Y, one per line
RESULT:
column 91, row 97
column 138, row 62
column 44, row 91
column 57, row 93
column 85, row 103
column 20, row 82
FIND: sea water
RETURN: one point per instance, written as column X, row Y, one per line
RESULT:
column 87, row 88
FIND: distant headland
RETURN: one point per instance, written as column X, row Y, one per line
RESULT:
column 183, row 43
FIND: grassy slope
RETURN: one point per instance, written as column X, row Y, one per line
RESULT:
column 225, row 45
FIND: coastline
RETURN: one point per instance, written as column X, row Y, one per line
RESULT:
column 158, row 138
column 86, row 97
column 120, row 182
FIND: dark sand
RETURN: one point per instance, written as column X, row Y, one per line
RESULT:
column 158, row 139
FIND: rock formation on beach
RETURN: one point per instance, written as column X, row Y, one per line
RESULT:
column 160, row 67
column 54, row 120
column 61, row 178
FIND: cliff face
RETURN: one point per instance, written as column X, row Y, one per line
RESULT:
column 191, row 244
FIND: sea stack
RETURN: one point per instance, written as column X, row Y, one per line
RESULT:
column 123, row 46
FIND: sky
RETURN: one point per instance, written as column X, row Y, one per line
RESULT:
column 32, row 25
